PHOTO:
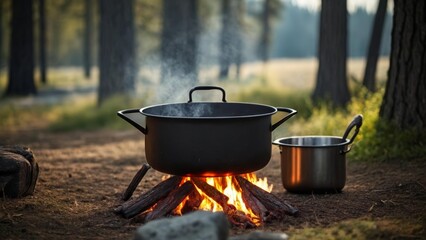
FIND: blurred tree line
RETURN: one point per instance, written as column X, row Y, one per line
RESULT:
column 65, row 29
column 293, row 31
column 178, row 37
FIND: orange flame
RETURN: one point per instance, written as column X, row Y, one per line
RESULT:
column 228, row 187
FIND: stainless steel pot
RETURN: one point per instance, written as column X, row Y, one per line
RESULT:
column 207, row 138
column 316, row 163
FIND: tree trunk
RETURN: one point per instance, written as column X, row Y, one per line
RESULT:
column 116, row 49
column 179, row 43
column 230, row 43
column 405, row 95
column 2, row 55
column 87, row 43
column 21, row 61
column 42, row 40
column 265, row 37
column 331, row 82
column 239, row 37
column 225, row 40
column 56, row 36
column 374, row 48
column 190, row 54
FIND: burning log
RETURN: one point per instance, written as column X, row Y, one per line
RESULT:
column 135, row 182
column 272, row 203
column 245, row 204
column 213, row 193
column 168, row 204
column 236, row 217
column 146, row 200
column 193, row 202
column 255, row 205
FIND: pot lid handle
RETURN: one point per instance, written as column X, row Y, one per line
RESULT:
column 356, row 122
column 207, row 88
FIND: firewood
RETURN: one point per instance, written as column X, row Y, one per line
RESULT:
column 146, row 200
column 239, row 219
column 270, row 201
column 166, row 205
column 193, row 202
column 254, row 204
column 214, row 194
column 135, row 182
column 140, row 218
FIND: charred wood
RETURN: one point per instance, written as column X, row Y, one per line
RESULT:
column 255, row 205
column 239, row 219
column 193, row 202
column 135, row 182
column 166, row 205
column 146, row 200
column 271, row 202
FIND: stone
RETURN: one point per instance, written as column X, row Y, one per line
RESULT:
column 196, row 225
column 259, row 235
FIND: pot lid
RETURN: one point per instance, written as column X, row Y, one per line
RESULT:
column 208, row 110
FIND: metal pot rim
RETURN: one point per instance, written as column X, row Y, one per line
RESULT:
column 268, row 110
column 300, row 141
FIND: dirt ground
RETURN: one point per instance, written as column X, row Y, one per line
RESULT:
column 82, row 175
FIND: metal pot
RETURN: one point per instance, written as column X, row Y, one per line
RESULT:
column 207, row 138
column 316, row 163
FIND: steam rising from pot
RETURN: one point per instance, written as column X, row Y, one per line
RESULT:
column 191, row 110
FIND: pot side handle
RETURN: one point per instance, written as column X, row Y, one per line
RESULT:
column 291, row 113
column 123, row 114
column 357, row 123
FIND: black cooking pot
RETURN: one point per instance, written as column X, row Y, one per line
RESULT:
column 207, row 138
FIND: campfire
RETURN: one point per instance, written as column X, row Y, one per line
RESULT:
column 245, row 199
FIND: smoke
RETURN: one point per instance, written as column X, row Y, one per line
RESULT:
column 173, row 76
column 194, row 110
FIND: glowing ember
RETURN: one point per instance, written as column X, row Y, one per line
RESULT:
column 230, row 188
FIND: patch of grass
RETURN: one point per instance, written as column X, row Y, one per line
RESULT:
column 377, row 139
column 3, row 80
column 360, row 229
column 89, row 116
column 299, row 101
column 76, row 114
column 15, row 117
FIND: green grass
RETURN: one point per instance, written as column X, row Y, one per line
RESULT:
column 279, row 98
column 377, row 139
column 68, row 114
column 90, row 116
column 360, row 229
column 15, row 117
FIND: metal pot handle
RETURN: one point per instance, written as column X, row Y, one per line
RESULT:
column 291, row 113
column 207, row 88
column 357, row 123
column 123, row 113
